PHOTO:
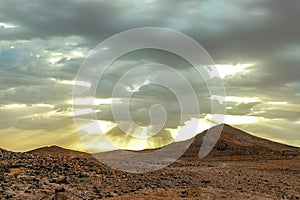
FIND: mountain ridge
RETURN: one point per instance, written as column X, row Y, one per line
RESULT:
column 232, row 142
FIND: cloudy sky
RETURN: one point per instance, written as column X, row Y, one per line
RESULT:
column 255, row 45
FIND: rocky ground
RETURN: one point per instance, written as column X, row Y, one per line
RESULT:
column 31, row 176
column 240, row 166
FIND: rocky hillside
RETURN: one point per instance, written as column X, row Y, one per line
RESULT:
column 235, row 142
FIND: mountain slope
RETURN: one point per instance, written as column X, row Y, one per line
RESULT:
column 235, row 142
column 58, row 151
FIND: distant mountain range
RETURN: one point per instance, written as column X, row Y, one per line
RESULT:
column 232, row 142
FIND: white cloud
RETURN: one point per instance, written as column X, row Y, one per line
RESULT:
column 233, row 119
column 15, row 106
column 277, row 102
column 236, row 99
column 227, row 70
column 95, row 101
column 7, row 25
column 73, row 82
column 94, row 125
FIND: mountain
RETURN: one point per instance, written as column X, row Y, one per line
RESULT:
column 235, row 142
column 231, row 142
column 58, row 151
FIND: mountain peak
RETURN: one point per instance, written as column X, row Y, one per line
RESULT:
column 235, row 142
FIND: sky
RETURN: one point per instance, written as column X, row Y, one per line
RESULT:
column 254, row 44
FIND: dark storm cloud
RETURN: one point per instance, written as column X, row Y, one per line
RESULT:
column 44, row 19
column 231, row 31
column 254, row 21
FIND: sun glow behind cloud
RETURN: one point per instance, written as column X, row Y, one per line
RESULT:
column 228, row 70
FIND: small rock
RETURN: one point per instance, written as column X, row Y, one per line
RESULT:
column 108, row 195
column 9, row 196
column 97, row 190
column 205, row 181
column 60, row 189
column 184, row 194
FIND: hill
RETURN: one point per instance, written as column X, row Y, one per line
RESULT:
column 235, row 142
column 58, row 151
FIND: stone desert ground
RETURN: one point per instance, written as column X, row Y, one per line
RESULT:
column 240, row 166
